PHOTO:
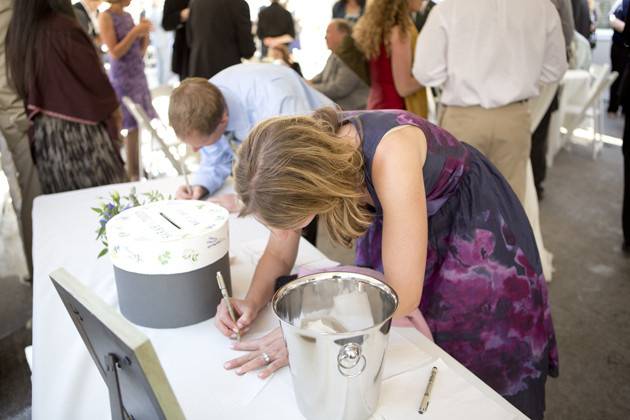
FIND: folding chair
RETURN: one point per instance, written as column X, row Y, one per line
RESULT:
column 574, row 115
column 152, row 126
column 432, row 116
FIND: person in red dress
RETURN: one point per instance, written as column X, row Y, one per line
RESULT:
column 384, row 35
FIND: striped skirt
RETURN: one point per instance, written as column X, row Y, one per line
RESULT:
column 70, row 156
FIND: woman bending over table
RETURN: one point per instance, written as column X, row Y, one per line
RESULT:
column 429, row 212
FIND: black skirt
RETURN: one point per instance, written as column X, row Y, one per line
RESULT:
column 70, row 155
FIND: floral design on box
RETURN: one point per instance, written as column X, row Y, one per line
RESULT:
column 117, row 204
column 165, row 257
column 191, row 254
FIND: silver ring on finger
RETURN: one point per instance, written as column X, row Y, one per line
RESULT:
column 266, row 358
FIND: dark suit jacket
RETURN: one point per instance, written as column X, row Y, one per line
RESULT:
column 274, row 20
column 171, row 22
column 219, row 34
column 421, row 17
column 624, row 84
column 582, row 17
column 339, row 10
column 84, row 19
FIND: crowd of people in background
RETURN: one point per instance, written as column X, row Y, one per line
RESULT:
column 372, row 51
column 62, row 114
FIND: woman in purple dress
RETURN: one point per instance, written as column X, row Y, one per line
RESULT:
column 127, row 44
column 429, row 212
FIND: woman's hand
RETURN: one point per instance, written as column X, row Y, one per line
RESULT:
column 143, row 28
column 272, row 345
column 184, row 14
column 246, row 312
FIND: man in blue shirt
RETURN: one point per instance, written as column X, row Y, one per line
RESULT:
column 215, row 117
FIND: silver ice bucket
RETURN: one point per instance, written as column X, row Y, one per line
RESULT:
column 336, row 326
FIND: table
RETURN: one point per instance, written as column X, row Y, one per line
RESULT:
column 66, row 383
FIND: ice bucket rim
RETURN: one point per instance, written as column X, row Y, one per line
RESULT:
column 327, row 275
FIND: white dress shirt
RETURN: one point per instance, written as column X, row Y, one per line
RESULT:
column 490, row 53
column 253, row 92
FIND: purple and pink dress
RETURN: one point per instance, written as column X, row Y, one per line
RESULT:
column 484, row 295
column 127, row 73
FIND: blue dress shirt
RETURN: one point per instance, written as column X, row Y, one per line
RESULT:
column 253, row 92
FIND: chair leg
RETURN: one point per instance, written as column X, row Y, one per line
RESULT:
column 140, row 165
column 132, row 149
column 566, row 140
column 597, row 124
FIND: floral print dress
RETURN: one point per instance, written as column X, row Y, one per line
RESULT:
column 484, row 295
column 127, row 73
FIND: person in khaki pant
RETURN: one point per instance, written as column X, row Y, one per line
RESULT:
column 14, row 127
column 502, row 134
column 489, row 62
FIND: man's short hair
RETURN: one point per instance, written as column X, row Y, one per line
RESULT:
column 343, row 25
column 196, row 104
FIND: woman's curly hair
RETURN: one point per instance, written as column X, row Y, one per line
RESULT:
column 375, row 26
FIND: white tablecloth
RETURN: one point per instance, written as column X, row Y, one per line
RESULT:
column 66, row 383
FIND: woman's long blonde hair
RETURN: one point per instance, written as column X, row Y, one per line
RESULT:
column 290, row 168
column 375, row 26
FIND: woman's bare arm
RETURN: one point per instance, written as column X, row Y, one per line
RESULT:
column 397, row 175
column 402, row 59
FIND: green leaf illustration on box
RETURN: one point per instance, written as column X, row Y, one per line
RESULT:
column 116, row 204
column 191, row 254
column 164, row 258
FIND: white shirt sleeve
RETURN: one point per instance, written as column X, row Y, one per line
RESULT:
column 430, row 63
column 555, row 62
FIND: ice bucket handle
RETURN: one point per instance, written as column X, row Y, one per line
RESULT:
column 350, row 355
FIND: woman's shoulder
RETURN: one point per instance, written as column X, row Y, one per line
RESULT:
column 376, row 124
column 61, row 29
column 59, row 22
column 372, row 126
column 385, row 118
column 400, row 33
